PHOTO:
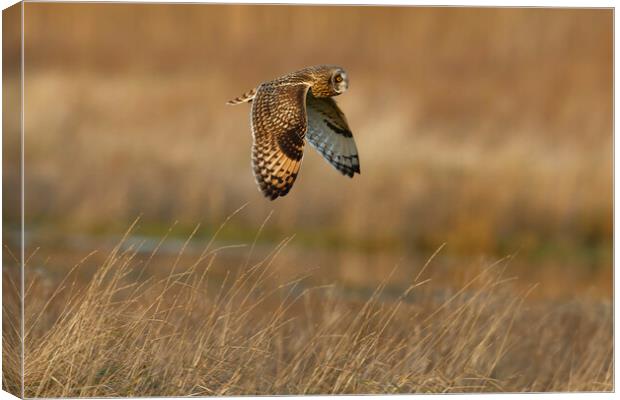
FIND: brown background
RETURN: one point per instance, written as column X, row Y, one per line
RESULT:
column 488, row 130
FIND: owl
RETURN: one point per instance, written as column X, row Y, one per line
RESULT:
column 289, row 110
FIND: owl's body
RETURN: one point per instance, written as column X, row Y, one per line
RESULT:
column 289, row 109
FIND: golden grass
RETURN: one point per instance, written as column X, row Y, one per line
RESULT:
column 127, row 332
column 11, row 319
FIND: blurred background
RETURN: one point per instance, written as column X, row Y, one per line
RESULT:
column 486, row 129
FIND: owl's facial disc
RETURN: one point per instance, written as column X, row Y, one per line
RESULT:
column 340, row 81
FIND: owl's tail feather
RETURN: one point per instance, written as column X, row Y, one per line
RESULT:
column 244, row 98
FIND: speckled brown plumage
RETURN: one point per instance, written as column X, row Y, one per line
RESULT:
column 287, row 110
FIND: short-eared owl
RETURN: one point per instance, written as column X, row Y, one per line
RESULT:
column 293, row 107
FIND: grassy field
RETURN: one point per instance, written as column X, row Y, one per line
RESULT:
column 127, row 331
column 485, row 133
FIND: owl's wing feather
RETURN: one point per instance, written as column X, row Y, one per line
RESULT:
column 329, row 133
column 279, row 124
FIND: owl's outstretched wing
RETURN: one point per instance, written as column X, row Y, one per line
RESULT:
column 279, row 124
column 329, row 133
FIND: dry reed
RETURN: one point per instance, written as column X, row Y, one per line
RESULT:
column 126, row 332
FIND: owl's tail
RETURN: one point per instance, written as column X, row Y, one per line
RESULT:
column 244, row 98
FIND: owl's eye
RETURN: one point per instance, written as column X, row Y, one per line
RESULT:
column 338, row 78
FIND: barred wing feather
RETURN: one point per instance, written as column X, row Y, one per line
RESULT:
column 329, row 133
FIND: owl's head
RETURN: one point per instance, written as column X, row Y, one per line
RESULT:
column 328, row 80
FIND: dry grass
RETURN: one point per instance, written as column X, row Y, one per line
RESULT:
column 11, row 318
column 126, row 332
